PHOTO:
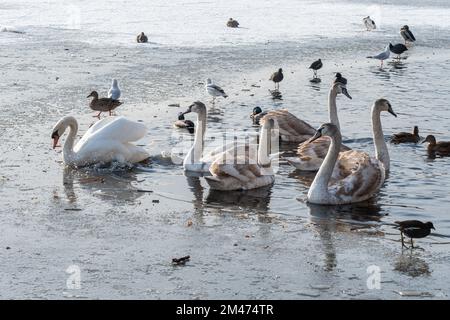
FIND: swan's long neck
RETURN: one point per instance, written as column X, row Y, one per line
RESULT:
column 319, row 187
column 332, row 109
column 264, row 147
column 381, row 149
column 68, row 152
column 195, row 154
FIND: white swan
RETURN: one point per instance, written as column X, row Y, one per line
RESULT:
column 359, row 183
column 310, row 154
column 241, row 168
column 351, row 176
column 194, row 160
column 106, row 141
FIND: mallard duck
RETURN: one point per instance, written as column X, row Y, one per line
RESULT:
column 182, row 123
column 277, row 77
column 102, row 104
column 441, row 148
column 142, row 38
column 405, row 137
column 414, row 229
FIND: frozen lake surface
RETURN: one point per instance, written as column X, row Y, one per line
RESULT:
column 261, row 244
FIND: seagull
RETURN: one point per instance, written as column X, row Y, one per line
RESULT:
column 369, row 23
column 316, row 65
column 414, row 229
column 398, row 49
column 407, row 34
column 382, row 56
column 114, row 91
column 277, row 77
column 214, row 90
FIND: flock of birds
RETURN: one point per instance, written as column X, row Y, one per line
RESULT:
column 344, row 175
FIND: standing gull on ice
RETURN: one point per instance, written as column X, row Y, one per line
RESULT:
column 214, row 90
column 407, row 34
column 114, row 91
column 382, row 56
column 369, row 23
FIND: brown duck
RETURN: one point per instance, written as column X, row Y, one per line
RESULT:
column 404, row 137
column 441, row 148
column 102, row 104
column 142, row 38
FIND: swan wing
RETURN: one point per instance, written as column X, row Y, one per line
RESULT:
column 289, row 125
column 118, row 128
column 356, row 177
column 311, row 154
column 243, row 174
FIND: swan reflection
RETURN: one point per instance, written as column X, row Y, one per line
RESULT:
column 107, row 185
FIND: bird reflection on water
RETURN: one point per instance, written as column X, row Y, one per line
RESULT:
column 108, row 185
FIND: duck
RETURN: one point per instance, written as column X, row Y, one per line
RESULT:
column 194, row 160
column 114, row 92
column 214, row 90
column 441, row 148
column 369, row 23
column 102, row 104
column 291, row 128
column 405, row 137
column 407, row 34
column 240, row 168
column 382, row 56
column 182, row 123
column 231, row 23
column 277, row 77
column 310, row 154
column 142, row 38
column 108, row 140
column 398, row 49
column 414, row 229
column 316, row 65
column 358, row 180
